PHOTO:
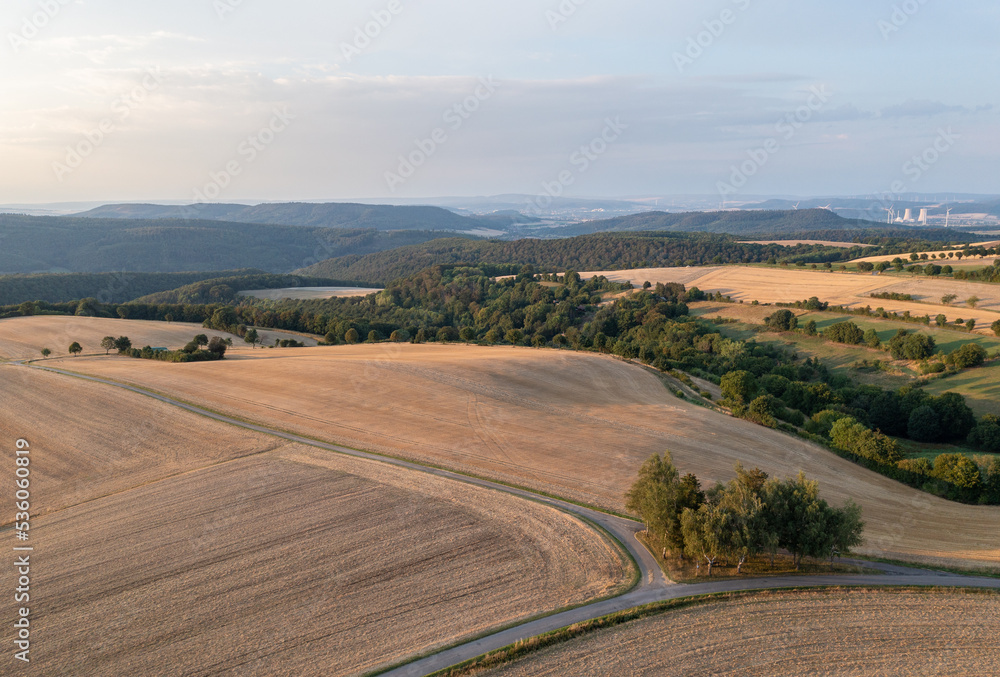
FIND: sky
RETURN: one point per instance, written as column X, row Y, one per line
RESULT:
column 237, row 100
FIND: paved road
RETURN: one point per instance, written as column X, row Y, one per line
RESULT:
column 653, row 585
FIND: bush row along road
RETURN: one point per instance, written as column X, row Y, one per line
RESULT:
column 652, row 587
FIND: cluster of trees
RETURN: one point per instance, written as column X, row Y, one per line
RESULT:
column 199, row 349
column 905, row 345
column 971, row 477
column 892, row 296
column 750, row 516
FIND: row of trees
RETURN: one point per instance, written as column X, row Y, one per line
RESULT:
column 199, row 349
column 750, row 516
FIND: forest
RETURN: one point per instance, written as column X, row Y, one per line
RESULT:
column 601, row 251
column 106, row 287
column 33, row 244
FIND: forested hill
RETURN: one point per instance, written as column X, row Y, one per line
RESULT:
column 105, row 287
column 226, row 289
column 322, row 215
column 39, row 244
column 587, row 252
column 733, row 222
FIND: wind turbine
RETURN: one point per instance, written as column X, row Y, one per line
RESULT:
column 891, row 211
column 827, row 208
column 797, row 204
column 947, row 217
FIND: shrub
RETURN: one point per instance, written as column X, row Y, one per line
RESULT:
column 849, row 435
column 986, row 434
column 905, row 345
column 845, row 332
column 924, row 425
column 960, row 470
column 739, row 387
column 783, row 320
column 969, row 355
column 872, row 339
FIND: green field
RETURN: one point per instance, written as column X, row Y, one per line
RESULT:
column 980, row 386
column 947, row 339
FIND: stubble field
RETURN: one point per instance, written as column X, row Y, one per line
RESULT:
column 291, row 561
column 797, row 633
column 576, row 425
column 23, row 337
column 774, row 285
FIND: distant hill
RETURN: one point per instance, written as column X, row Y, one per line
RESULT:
column 37, row 244
column 992, row 208
column 105, row 287
column 319, row 215
column 757, row 222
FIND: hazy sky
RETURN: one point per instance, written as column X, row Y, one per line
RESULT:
column 248, row 99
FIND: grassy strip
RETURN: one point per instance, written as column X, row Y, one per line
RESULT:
column 982, row 572
column 755, row 567
column 526, row 647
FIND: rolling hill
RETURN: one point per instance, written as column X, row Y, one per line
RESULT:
column 40, row 244
column 769, row 222
column 320, row 215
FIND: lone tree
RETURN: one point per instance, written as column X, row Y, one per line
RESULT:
column 108, row 342
column 46, row 352
column 352, row 336
column 250, row 337
column 123, row 344
column 75, row 348
column 972, row 301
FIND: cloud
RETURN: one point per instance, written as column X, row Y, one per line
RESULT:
column 920, row 108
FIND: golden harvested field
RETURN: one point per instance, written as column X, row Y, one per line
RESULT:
column 980, row 260
column 574, row 424
column 93, row 440
column 778, row 285
column 796, row 633
column 23, row 337
column 825, row 243
column 293, row 561
column 308, row 292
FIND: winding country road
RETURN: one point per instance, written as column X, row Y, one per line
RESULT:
column 652, row 587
